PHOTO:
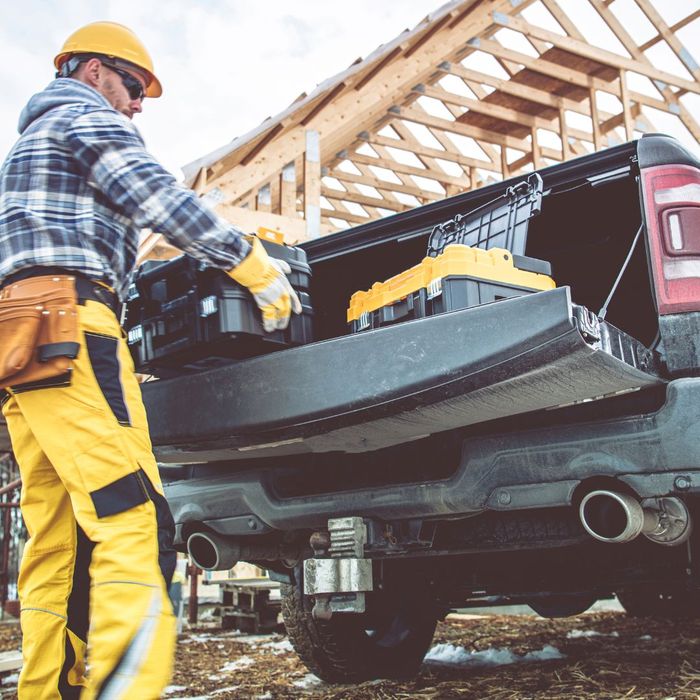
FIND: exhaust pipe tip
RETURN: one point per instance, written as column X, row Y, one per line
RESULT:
column 611, row 517
column 211, row 552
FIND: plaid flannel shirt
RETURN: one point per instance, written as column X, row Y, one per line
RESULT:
column 78, row 186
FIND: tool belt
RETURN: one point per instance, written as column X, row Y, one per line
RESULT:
column 38, row 329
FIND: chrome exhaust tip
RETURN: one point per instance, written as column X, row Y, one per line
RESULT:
column 212, row 552
column 611, row 517
column 617, row 517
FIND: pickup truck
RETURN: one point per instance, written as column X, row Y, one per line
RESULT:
column 543, row 449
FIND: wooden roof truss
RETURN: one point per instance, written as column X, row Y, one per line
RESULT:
column 479, row 91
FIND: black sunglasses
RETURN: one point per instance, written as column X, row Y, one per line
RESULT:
column 132, row 85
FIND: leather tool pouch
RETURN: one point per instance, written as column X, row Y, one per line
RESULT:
column 38, row 330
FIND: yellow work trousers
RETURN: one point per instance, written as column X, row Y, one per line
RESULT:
column 91, row 496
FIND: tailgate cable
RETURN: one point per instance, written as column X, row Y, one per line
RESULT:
column 604, row 309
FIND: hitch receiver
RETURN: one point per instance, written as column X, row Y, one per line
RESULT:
column 338, row 582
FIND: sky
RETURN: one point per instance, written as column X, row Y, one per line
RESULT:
column 225, row 65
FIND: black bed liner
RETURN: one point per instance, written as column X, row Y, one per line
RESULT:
column 368, row 391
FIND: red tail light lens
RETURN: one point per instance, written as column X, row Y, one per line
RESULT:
column 672, row 205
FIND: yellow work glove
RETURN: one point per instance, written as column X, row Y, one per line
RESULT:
column 265, row 278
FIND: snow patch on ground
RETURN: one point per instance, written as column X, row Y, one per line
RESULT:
column 449, row 654
column 281, row 647
column 228, row 689
column 174, row 689
column 578, row 634
column 237, row 665
column 307, row 681
column 645, row 638
column 256, row 639
column 203, row 638
column 10, row 680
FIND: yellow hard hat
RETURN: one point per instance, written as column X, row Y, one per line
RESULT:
column 114, row 40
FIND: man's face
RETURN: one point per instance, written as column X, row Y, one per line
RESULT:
column 113, row 88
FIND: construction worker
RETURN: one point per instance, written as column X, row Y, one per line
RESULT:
column 75, row 191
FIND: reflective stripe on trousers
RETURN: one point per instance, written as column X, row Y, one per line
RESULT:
column 91, row 493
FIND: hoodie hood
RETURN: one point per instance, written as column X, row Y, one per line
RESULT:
column 62, row 92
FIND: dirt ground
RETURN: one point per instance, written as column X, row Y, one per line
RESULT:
column 605, row 656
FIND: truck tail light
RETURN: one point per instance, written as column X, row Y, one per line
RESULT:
column 672, row 206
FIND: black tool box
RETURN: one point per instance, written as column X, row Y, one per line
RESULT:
column 500, row 223
column 473, row 259
column 184, row 316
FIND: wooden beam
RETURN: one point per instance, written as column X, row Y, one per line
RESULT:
column 593, row 52
column 626, row 107
column 671, row 39
column 597, row 137
column 312, row 184
column 288, row 190
column 345, row 215
column 466, row 130
column 293, row 227
column 498, row 111
column 264, row 199
column 334, row 195
column 200, row 182
column 395, row 166
column 433, row 167
column 326, row 100
column 564, row 135
column 678, row 25
column 357, row 110
column 540, row 65
column 275, row 194
column 536, row 158
column 564, row 22
column 474, row 182
column 377, row 68
column 505, row 170
column 568, row 75
column 524, row 92
column 516, row 165
column 382, row 185
column 628, row 42
column 415, row 146
column 156, row 246
column 269, row 136
column 492, row 153
column 619, row 120
column 430, row 32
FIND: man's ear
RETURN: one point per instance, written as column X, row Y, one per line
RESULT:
column 92, row 71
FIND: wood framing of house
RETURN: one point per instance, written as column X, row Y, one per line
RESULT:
column 480, row 90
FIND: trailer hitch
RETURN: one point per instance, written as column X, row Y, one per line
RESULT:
column 338, row 575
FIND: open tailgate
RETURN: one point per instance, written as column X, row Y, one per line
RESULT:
column 400, row 383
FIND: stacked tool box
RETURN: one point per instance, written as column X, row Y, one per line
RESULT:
column 473, row 259
column 184, row 316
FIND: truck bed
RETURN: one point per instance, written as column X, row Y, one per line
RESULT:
column 372, row 390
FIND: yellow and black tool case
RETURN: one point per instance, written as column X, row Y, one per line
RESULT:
column 475, row 258
column 184, row 316
column 458, row 278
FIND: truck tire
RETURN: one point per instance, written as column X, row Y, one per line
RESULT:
column 351, row 648
column 562, row 604
column 671, row 603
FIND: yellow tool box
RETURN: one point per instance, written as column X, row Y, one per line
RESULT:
column 458, row 278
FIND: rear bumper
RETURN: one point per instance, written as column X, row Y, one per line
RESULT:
column 655, row 454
